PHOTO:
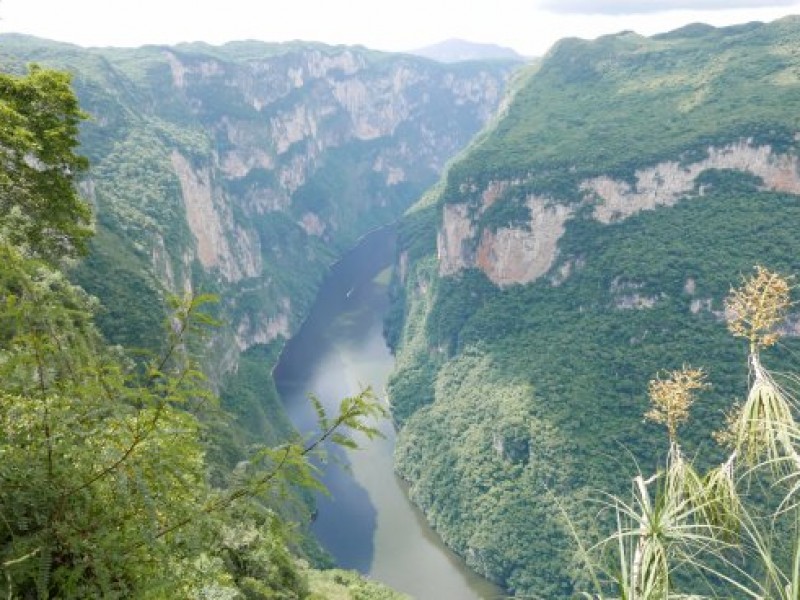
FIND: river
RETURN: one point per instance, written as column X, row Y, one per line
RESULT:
column 367, row 523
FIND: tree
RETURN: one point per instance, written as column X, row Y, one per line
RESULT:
column 41, row 210
column 104, row 487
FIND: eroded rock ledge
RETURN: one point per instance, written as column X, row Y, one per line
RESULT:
column 520, row 255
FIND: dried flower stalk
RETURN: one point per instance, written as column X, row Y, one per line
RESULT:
column 755, row 309
column 672, row 397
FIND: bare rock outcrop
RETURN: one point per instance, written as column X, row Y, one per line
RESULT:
column 453, row 239
column 511, row 255
column 518, row 255
column 666, row 183
column 212, row 226
column 262, row 331
column 312, row 224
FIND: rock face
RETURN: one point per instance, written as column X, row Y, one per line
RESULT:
column 293, row 109
column 509, row 255
column 457, row 229
column 512, row 255
column 666, row 183
column 522, row 254
column 226, row 167
column 298, row 115
column 210, row 228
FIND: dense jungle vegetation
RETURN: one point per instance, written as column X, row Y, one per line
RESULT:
column 107, row 485
column 520, row 402
column 269, row 137
column 122, row 473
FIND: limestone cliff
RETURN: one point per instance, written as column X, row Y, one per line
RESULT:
column 666, row 183
column 212, row 225
column 246, row 169
column 311, row 120
column 522, row 254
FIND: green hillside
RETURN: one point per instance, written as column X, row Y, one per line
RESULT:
column 661, row 169
column 245, row 170
column 242, row 171
column 108, row 489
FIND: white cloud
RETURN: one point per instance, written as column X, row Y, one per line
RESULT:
column 382, row 24
column 631, row 7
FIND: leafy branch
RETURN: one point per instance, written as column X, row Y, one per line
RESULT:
column 290, row 460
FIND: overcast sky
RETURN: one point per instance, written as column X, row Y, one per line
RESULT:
column 528, row 26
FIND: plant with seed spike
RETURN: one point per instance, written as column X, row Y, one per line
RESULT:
column 672, row 397
column 764, row 423
column 703, row 523
column 756, row 308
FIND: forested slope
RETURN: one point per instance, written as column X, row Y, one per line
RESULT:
column 107, row 488
column 584, row 242
column 245, row 170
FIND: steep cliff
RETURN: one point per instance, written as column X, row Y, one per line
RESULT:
column 585, row 241
column 521, row 253
column 246, row 170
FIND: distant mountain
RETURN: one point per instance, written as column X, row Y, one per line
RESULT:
column 454, row 50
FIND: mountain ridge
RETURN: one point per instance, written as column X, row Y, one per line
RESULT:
column 458, row 50
column 583, row 242
column 245, row 170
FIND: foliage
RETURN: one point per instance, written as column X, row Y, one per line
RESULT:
column 336, row 584
column 680, row 521
column 584, row 358
column 39, row 119
column 610, row 106
column 574, row 344
column 105, row 488
column 97, row 459
column 233, row 113
column 251, row 391
column 114, row 270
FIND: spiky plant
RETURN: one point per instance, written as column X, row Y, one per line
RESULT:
column 703, row 522
column 763, row 426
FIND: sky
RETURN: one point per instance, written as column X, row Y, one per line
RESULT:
column 528, row 26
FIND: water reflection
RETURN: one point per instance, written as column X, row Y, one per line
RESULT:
column 367, row 523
